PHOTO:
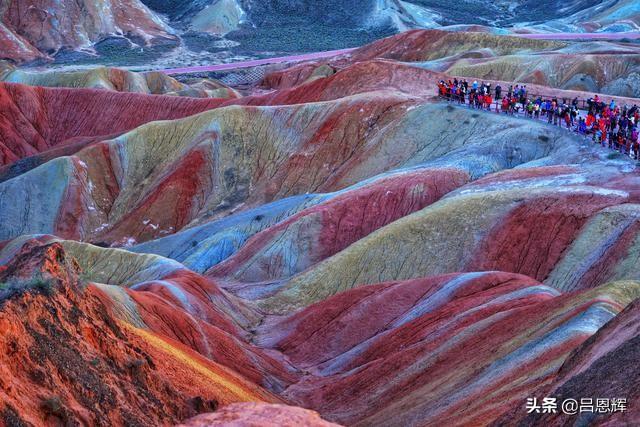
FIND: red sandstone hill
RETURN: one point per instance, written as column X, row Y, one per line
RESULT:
column 68, row 359
column 541, row 64
column 36, row 119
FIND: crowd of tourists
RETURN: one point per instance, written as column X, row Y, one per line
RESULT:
column 611, row 125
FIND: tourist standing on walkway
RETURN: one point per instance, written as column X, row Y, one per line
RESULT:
column 611, row 125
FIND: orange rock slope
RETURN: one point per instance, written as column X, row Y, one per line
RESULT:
column 67, row 359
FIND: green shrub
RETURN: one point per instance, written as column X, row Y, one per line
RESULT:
column 16, row 286
column 54, row 406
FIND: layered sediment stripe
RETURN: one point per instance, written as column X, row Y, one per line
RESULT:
column 519, row 337
column 202, row 247
column 36, row 119
column 603, row 251
column 323, row 230
column 233, row 387
column 452, row 235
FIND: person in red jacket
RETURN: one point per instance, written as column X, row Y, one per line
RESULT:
column 505, row 105
column 602, row 126
column 488, row 101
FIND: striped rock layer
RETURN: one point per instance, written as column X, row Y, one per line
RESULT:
column 346, row 245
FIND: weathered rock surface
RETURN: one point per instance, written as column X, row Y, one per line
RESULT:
column 603, row 367
column 47, row 26
column 67, row 358
column 461, row 349
column 344, row 243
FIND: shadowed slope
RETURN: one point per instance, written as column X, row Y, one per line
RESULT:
column 203, row 246
column 605, row 250
column 604, row 366
column 15, row 47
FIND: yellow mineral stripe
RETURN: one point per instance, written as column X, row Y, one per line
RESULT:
column 223, row 379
